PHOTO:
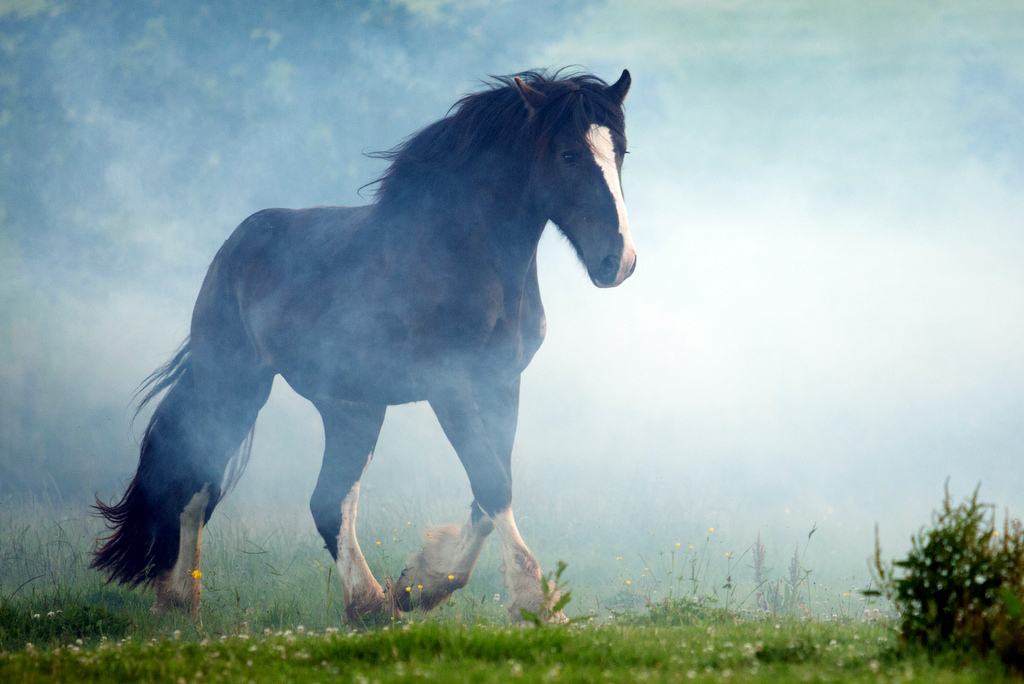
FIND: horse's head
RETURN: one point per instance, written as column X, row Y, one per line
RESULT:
column 577, row 176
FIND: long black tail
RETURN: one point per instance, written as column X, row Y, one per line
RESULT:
column 187, row 445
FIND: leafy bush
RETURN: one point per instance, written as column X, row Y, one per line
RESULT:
column 962, row 584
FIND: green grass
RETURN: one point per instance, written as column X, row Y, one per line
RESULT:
column 764, row 651
column 272, row 612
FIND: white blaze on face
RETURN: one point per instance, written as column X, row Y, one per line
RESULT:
column 600, row 140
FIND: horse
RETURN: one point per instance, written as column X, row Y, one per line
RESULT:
column 427, row 293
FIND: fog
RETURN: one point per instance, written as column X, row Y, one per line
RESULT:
column 825, row 323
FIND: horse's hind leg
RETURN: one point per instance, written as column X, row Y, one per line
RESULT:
column 180, row 587
column 222, row 420
column 350, row 434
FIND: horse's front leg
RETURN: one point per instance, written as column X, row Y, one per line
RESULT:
column 479, row 418
column 350, row 435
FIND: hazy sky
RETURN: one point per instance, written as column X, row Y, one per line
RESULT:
column 826, row 318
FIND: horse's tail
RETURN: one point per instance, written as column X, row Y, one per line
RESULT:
column 190, row 445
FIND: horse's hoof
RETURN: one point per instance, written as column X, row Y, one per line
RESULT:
column 373, row 610
column 516, row 618
column 410, row 593
column 163, row 606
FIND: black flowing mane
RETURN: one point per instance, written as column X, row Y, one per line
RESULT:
column 495, row 120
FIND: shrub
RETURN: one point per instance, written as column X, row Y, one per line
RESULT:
column 962, row 584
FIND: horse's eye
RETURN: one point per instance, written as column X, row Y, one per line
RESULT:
column 569, row 158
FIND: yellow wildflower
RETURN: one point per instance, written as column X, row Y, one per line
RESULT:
column 451, row 577
column 197, row 574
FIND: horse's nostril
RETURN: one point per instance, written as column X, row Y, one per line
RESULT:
column 609, row 268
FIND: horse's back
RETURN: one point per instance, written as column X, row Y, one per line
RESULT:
column 276, row 260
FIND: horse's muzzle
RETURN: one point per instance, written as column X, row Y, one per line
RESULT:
column 608, row 274
column 609, row 270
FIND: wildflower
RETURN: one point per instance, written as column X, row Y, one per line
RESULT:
column 409, row 523
column 691, row 547
column 628, row 582
column 451, row 577
column 711, row 530
column 419, row 586
column 726, row 554
column 196, row 574
column 378, row 543
column 408, row 588
column 677, row 543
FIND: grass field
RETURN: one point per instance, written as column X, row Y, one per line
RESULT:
column 272, row 611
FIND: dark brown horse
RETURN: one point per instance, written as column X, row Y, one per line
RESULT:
column 429, row 293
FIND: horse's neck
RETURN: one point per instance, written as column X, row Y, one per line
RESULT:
column 484, row 206
column 508, row 222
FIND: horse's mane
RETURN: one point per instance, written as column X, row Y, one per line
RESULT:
column 496, row 120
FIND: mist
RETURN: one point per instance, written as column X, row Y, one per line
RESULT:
column 825, row 323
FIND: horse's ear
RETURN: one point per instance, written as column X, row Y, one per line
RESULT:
column 532, row 97
column 619, row 89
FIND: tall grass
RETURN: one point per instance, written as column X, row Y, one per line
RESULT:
column 264, row 572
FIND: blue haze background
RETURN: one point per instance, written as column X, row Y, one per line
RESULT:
column 826, row 321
